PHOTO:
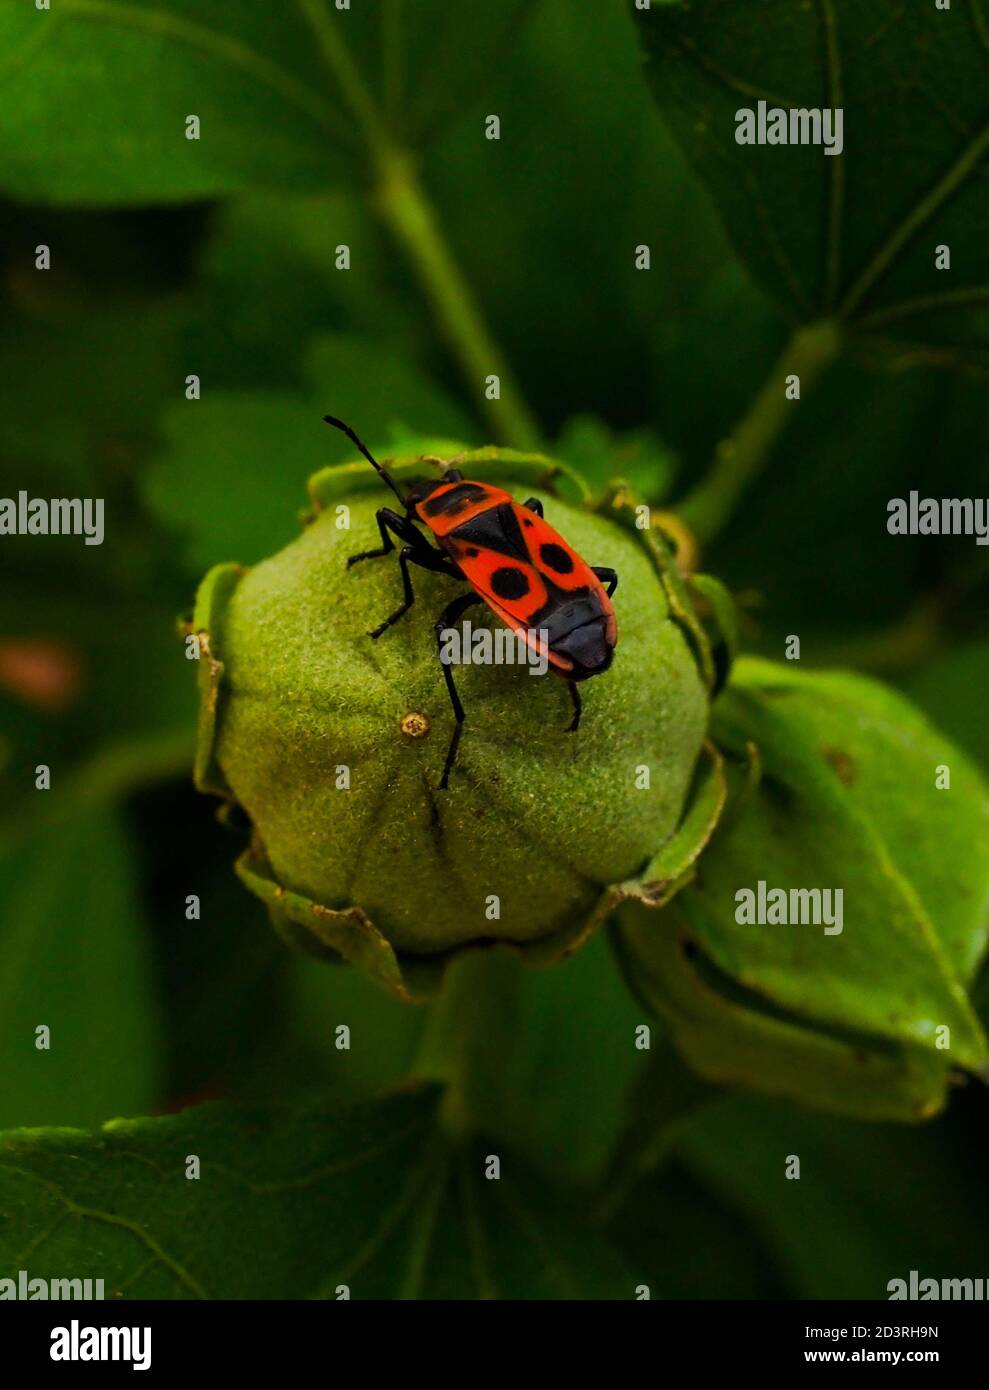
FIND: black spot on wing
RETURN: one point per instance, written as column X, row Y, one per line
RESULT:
column 509, row 582
column 554, row 557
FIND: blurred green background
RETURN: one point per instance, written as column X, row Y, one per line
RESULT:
column 634, row 372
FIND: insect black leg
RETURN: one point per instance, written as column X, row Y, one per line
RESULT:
column 450, row 615
column 574, row 724
column 606, row 576
column 406, row 554
column 418, row 551
column 534, row 505
column 388, row 522
column 423, row 555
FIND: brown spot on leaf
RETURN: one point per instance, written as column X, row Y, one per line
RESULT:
column 843, row 764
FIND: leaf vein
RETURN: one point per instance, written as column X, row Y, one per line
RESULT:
column 924, row 210
column 122, row 1223
column 224, row 47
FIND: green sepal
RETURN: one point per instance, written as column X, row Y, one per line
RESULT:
column 340, row 481
column 324, row 931
column 719, row 616
column 207, row 624
column 619, row 502
column 673, row 866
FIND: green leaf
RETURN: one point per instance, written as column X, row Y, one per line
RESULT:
column 372, row 1197
column 944, row 688
column 74, row 957
column 687, row 1243
column 99, row 91
column 847, row 801
column 133, row 675
column 852, row 1221
column 231, row 477
column 280, row 248
column 850, row 235
column 431, row 61
column 559, row 287
column 82, row 420
column 86, row 376
column 913, row 433
column 600, row 456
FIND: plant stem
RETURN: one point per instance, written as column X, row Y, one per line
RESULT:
column 469, row 1036
column 915, row 637
column 410, row 218
column 740, row 458
column 408, row 214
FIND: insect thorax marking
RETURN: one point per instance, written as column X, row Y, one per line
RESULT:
column 453, row 499
column 496, row 529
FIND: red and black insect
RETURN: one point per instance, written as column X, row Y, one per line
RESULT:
column 514, row 562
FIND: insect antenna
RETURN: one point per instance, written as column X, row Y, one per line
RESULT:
column 345, row 429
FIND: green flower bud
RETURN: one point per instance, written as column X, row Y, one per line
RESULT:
column 334, row 743
column 865, row 1010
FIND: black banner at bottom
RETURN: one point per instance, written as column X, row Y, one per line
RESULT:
column 257, row 1338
